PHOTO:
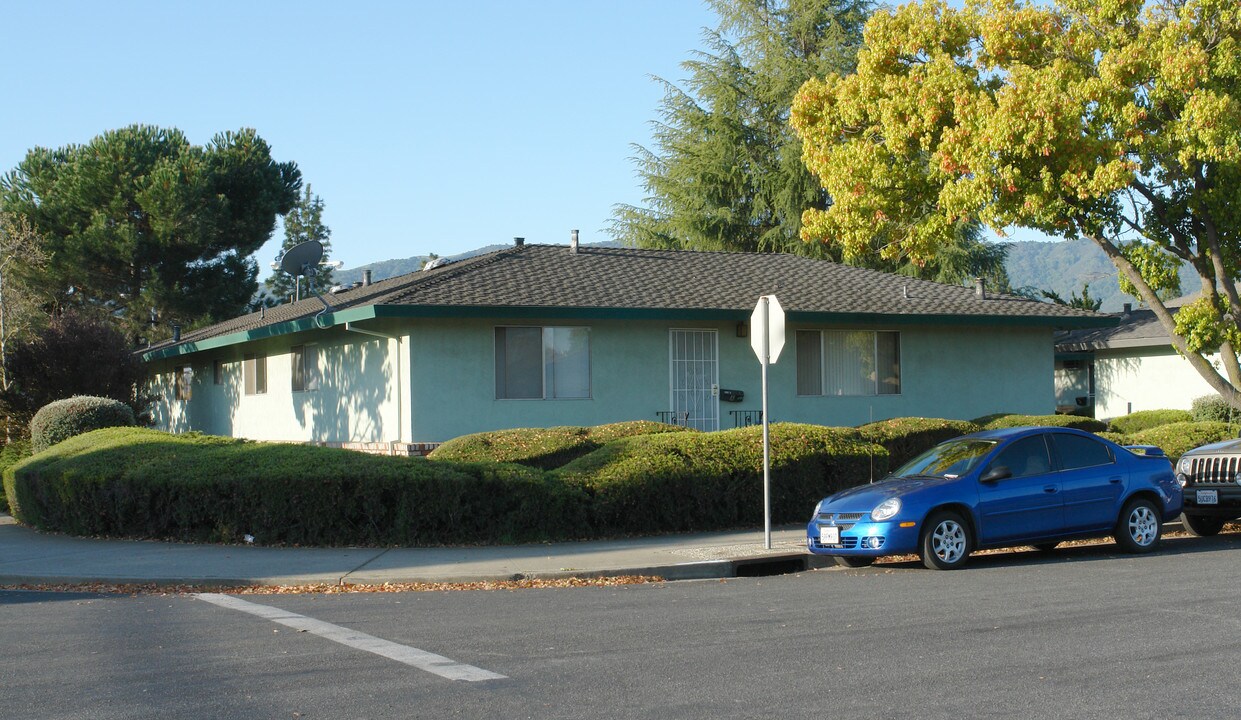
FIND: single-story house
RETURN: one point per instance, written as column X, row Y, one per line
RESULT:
column 1112, row 371
column 546, row 335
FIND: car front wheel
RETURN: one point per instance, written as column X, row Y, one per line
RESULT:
column 946, row 541
column 1200, row 526
column 1139, row 527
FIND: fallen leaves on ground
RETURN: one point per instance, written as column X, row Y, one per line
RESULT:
column 335, row 588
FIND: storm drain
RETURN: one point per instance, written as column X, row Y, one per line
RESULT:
column 768, row 567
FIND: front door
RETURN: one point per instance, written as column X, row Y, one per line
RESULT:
column 1026, row 506
column 695, row 375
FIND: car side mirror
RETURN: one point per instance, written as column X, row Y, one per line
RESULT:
column 995, row 474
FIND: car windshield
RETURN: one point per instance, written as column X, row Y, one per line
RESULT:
column 949, row 459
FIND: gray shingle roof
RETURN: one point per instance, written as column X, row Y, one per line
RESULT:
column 1136, row 328
column 551, row 277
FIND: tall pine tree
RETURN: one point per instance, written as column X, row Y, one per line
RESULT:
column 139, row 221
column 304, row 222
column 726, row 171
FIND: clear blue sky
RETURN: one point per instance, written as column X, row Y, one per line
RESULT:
column 424, row 126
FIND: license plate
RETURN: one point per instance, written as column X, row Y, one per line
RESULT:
column 1208, row 497
column 829, row 535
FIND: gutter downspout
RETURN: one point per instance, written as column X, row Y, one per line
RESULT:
column 400, row 394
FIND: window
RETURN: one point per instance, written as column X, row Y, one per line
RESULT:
column 848, row 362
column 542, row 363
column 254, row 368
column 217, row 372
column 1076, row 451
column 182, row 375
column 1027, row 456
column 305, row 368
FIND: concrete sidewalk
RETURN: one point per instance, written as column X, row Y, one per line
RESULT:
column 30, row 557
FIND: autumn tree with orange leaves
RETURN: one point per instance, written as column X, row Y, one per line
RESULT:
column 1113, row 120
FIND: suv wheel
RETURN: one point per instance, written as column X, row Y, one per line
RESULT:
column 1201, row 525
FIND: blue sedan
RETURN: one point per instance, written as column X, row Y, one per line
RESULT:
column 1000, row 488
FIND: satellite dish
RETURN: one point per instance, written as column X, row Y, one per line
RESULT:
column 302, row 259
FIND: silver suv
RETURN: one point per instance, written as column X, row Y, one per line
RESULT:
column 1211, row 477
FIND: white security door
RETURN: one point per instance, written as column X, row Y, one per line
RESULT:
column 695, row 378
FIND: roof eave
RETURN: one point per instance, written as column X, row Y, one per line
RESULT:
column 302, row 324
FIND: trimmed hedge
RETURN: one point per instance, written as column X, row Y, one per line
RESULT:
column 61, row 420
column 1176, row 439
column 1003, row 420
column 907, row 438
column 542, row 448
column 134, row 482
column 701, row 481
column 1146, row 419
column 1213, row 408
column 12, row 453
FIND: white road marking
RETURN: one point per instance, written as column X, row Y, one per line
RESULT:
column 421, row 659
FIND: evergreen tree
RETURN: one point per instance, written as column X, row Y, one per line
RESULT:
column 138, row 221
column 304, row 222
column 726, row 171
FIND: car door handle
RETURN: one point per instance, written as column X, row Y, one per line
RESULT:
column 1115, row 480
column 1050, row 488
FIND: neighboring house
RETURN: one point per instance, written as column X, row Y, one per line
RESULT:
column 538, row 336
column 1113, row 371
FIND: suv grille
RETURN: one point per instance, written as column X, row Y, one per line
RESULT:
column 1214, row 470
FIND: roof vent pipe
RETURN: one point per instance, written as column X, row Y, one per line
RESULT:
column 519, row 241
column 1128, row 308
column 176, row 333
column 366, row 277
column 980, row 288
column 573, row 242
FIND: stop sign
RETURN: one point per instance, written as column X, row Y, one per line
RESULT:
column 767, row 323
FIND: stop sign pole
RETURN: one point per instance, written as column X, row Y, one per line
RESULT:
column 767, row 339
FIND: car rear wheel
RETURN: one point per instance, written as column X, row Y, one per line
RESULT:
column 946, row 541
column 851, row 561
column 1200, row 526
column 1138, row 528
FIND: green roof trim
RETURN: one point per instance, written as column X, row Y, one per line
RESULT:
column 312, row 322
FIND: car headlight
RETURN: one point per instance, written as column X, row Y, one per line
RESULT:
column 1182, row 465
column 886, row 510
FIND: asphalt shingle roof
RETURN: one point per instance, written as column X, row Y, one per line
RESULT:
column 1136, row 328
column 552, row 277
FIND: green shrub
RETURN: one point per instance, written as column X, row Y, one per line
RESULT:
column 1002, row 420
column 542, row 448
column 61, row 420
column 134, row 482
column 1118, row 438
column 701, row 481
column 12, row 453
column 1213, row 408
column 1146, row 419
column 1176, row 439
column 906, row 438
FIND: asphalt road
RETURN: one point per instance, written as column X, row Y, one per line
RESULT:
column 1084, row 633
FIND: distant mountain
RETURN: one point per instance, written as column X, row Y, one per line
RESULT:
column 1062, row 267
column 391, row 268
column 1065, row 266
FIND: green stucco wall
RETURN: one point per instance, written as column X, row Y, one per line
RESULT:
column 439, row 381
